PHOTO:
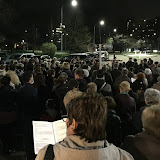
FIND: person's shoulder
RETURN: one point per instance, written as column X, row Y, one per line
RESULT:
column 122, row 153
column 41, row 153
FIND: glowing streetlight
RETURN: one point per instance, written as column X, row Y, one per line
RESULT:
column 74, row 3
column 115, row 30
column 101, row 22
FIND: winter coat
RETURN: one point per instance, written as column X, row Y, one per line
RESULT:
column 14, row 78
column 28, row 100
column 72, row 147
column 113, row 128
column 143, row 146
column 82, row 85
column 7, row 98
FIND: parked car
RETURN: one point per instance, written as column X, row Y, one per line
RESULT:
column 104, row 55
column 17, row 56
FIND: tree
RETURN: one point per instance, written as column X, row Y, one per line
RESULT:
column 49, row 49
column 78, row 35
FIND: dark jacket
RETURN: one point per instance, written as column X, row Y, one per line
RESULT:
column 28, row 100
column 137, row 122
column 58, row 94
column 138, row 84
column 143, row 146
column 7, row 98
column 115, row 73
column 82, row 85
column 102, row 87
column 126, row 107
column 113, row 128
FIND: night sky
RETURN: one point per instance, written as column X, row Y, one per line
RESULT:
column 114, row 12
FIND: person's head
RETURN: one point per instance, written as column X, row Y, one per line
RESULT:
column 50, row 104
column 71, row 95
column 29, row 67
column 39, row 78
column 37, row 68
column 5, row 80
column 28, row 77
column 32, row 60
column 91, row 88
column 66, row 66
column 124, row 71
column 51, row 73
column 130, row 59
column 86, row 73
column 100, row 73
column 62, row 78
column 87, row 116
column 111, row 104
column 124, row 86
column 12, row 67
column 151, row 120
column 131, row 69
column 79, row 74
column 2, row 67
column 116, row 65
column 148, row 72
column 73, row 83
column 140, row 76
column 152, row 96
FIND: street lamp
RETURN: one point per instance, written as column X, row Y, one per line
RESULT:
column 101, row 23
column 74, row 4
column 115, row 30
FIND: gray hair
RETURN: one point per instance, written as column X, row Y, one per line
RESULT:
column 124, row 71
column 151, row 120
column 152, row 96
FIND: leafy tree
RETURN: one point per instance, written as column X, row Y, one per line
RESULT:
column 78, row 35
column 49, row 49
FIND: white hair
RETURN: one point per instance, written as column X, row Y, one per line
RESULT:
column 152, row 96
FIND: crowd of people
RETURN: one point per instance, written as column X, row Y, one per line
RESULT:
column 108, row 108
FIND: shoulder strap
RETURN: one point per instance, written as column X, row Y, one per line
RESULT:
column 49, row 153
column 102, row 86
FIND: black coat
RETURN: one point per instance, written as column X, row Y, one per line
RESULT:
column 126, row 107
column 137, row 85
column 142, row 146
column 7, row 98
column 82, row 85
column 113, row 128
column 115, row 73
column 28, row 100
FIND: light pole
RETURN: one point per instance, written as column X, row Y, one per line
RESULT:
column 74, row 4
column 101, row 23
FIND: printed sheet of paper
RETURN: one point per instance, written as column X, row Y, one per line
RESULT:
column 59, row 128
column 43, row 135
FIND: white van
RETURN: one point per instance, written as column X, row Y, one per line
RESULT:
column 17, row 56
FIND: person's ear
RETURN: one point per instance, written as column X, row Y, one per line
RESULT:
column 74, row 124
column 147, row 103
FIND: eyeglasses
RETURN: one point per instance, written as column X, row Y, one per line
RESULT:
column 64, row 117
